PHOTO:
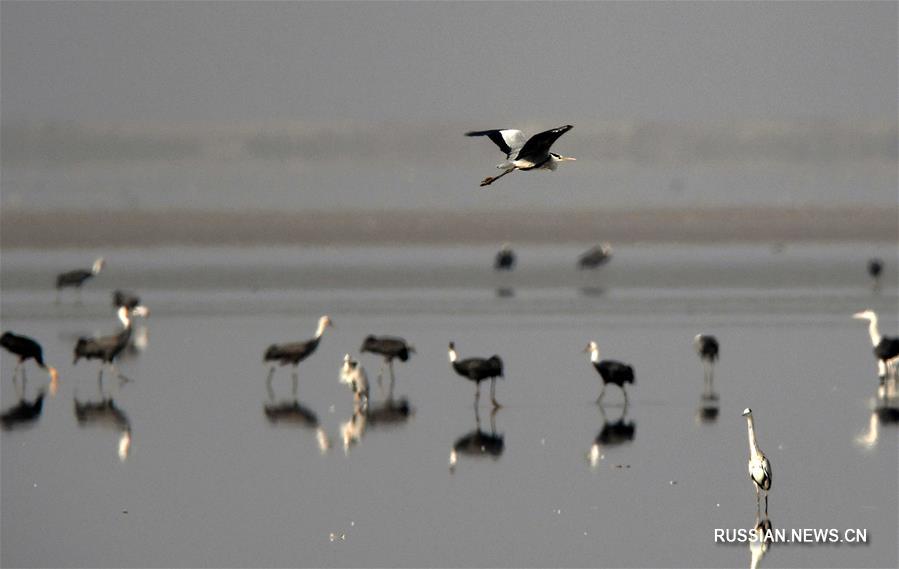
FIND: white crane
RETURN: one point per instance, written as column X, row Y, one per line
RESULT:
column 759, row 466
column 521, row 154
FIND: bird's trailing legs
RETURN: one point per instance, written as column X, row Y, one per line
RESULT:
column 392, row 380
column 490, row 179
column 295, row 378
column 496, row 404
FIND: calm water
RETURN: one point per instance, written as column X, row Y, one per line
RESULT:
column 210, row 480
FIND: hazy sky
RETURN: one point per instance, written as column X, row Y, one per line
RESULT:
column 495, row 63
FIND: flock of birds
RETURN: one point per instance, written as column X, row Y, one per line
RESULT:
column 521, row 154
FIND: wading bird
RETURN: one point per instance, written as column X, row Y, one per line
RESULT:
column 610, row 371
column 707, row 348
column 26, row 349
column 391, row 348
column 595, row 257
column 75, row 279
column 875, row 267
column 295, row 352
column 759, row 466
column 505, row 259
column 477, row 370
column 532, row 154
column 107, row 348
column 353, row 375
column 886, row 349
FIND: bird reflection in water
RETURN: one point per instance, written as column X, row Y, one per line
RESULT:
column 759, row 547
column 24, row 413
column 883, row 413
column 105, row 413
column 477, row 443
column 707, row 412
column 613, row 433
column 293, row 413
column 594, row 291
column 505, row 292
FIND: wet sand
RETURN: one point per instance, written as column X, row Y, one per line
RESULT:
column 154, row 228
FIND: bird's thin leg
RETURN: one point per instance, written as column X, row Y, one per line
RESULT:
column 496, row 404
column 493, row 420
column 100, row 380
column 392, row 380
column 490, row 179
column 623, row 390
column 268, row 383
column 766, row 503
column 24, row 381
column 122, row 377
column 380, row 376
column 295, row 378
column 477, row 394
column 19, row 387
column 758, row 504
column 602, row 393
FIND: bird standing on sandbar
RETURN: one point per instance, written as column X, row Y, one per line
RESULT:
column 25, row 349
column 532, row 154
column 75, row 279
column 611, row 371
column 759, row 466
column 295, row 352
column 477, row 370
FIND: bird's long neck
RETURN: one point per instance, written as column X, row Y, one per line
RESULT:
column 594, row 356
column 125, row 319
column 753, row 444
column 453, row 356
column 874, row 331
column 320, row 330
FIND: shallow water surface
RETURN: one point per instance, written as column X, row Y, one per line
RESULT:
column 219, row 472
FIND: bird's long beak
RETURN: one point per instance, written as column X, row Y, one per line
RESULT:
column 54, row 380
column 860, row 316
column 567, row 159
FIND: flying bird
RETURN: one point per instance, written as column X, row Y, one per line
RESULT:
column 521, row 154
column 759, row 466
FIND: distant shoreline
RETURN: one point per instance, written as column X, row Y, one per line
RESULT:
column 31, row 229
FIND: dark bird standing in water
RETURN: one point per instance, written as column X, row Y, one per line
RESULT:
column 25, row 349
column 75, row 279
column 505, row 259
column 107, row 348
column 875, row 268
column 595, row 257
column 610, row 371
column 295, row 352
column 477, row 370
column 707, row 349
column 391, row 348
column 886, row 350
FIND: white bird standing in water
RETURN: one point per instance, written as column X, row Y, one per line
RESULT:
column 353, row 374
column 886, row 350
column 759, row 466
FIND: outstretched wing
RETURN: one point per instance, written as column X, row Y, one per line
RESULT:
column 509, row 141
column 538, row 145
